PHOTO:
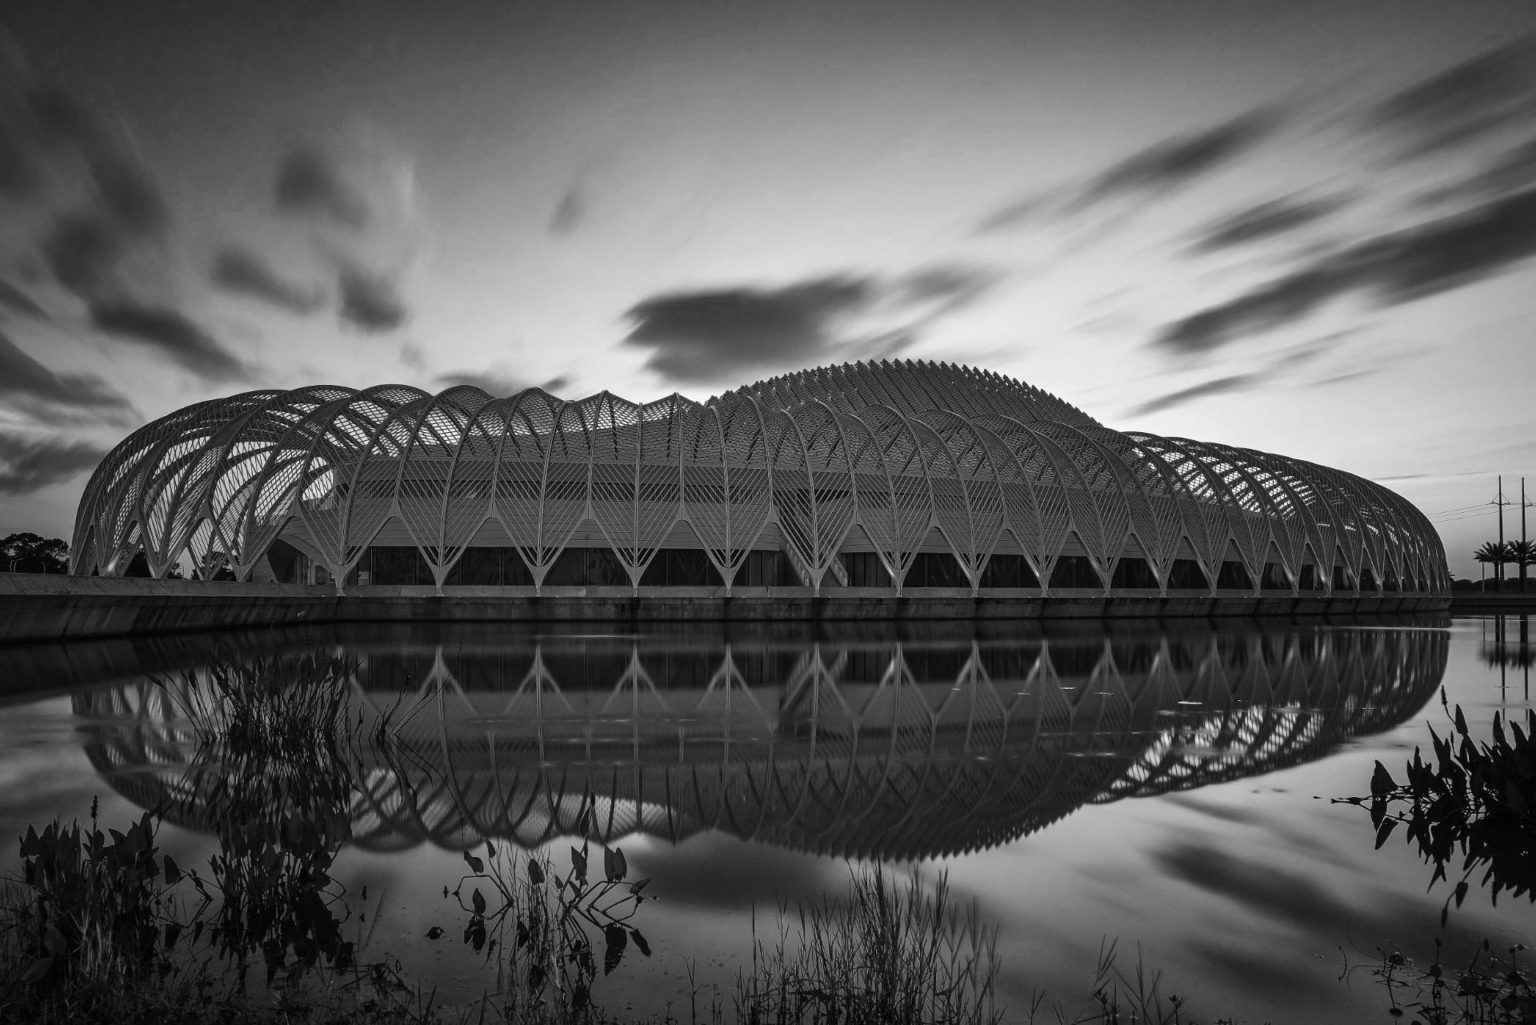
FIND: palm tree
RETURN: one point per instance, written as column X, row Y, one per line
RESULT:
column 1493, row 553
column 1522, row 554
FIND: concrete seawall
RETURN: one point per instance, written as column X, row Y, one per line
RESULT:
column 1473, row 604
column 53, row 607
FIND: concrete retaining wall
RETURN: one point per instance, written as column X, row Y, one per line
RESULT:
column 1471, row 603
column 51, row 607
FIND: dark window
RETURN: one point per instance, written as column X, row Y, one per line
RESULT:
column 1309, row 580
column 766, row 569
column 1131, row 572
column 1074, row 571
column 1367, row 579
column 681, row 567
column 482, row 567
column 1008, row 571
column 1274, row 578
column 1341, row 580
column 587, row 567
column 394, row 565
column 1233, row 577
column 935, row 569
column 285, row 561
column 1186, row 575
column 864, row 569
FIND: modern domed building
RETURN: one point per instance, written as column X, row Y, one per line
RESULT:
column 888, row 477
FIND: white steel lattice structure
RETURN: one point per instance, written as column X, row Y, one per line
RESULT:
column 890, row 475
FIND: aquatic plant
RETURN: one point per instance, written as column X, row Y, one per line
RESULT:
column 1488, row 990
column 274, row 767
column 1476, row 801
column 882, row 954
column 92, row 914
column 547, row 924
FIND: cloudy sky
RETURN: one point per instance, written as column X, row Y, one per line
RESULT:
column 1303, row 227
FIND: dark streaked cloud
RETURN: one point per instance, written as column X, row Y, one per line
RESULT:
column 1013, row 214
column 244, row 273
column 1480, row 97
column 43, row 128
column 713, row 335
column 312, row 183
column 83, row 251
column 370, row 301
column 569, row 212
column 1511, row 170
column 1180, row 160
column 944, row 284
column 171, row 334
column 706, row 335
column 125, row 192
column 1218, row 386
column 18, row 300
column 55, row 151
column 36, row 386
column 1160, row 168
column 1393, row 268
column 29, row 464
column 1266, row 220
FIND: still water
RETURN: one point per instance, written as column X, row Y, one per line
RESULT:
column 1165, row 786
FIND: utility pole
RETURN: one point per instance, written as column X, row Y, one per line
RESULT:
column 1524, row 505
column 1498, row 565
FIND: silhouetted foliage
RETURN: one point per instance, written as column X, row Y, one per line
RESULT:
column 546, row 925
column 1475, row 801
column 26, row 552
column 272, row 762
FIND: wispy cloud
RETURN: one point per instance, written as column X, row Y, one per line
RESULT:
column 1394, row 268
column 370, row 301
column 569, row 212
column 29, row 464
column 244, row 273
column 1217, row 386
column 1484, row 96
column 359, row 184
column 312, row 182
column 172, row 335
column 45, row 131
column 83, row 251
column 1164, row 167
column 60, row 157
column 1266, row 220
column 28, row 383
column 1179, row 161
column 18, row 300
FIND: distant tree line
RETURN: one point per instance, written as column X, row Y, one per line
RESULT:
column 26, row 552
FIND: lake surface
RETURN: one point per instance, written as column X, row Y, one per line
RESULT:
column 1166, row 786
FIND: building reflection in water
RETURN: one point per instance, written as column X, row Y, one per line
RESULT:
column 893, row 749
